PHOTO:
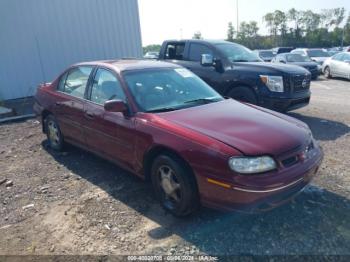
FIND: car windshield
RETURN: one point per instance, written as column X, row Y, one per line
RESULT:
column 317, row 53
column 266, row 53
column 161, row 90
column 297, row 58
column 238, row 53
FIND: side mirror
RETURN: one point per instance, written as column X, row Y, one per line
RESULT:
column 347, row 61
column 207, row 60
column 283, row 61
column 115, row 106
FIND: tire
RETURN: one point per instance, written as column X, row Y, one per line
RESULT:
column 174, row 185
column 243, row 94
column 53, row 132
column 327, row 72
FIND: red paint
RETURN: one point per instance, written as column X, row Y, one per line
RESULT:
column 205, row 136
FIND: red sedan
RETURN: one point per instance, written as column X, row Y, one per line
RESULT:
column 164, row 124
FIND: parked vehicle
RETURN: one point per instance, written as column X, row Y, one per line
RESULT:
column 333, row 52
column 280, row 50
column 151, row 55
column 299, row 60
column 316, row 54
column 266, row 55
column 164, row 124
column 235, row 71
column 346, row 49
column 337, row 66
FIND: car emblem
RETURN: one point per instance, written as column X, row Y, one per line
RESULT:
column 304, row 83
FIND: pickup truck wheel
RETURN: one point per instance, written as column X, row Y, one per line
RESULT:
column 327, row 72
column 243, row 94
column 53, row 132
column 174, row 185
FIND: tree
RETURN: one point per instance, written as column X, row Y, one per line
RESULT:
column 230, row 32
column 197, row 35
column 338, row 16
column 294, row 15
column 151, row 48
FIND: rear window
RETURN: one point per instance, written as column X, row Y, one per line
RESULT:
column 266, row 53
column 317, row 53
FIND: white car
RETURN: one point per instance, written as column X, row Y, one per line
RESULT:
column 337, row 65
column 317, row 55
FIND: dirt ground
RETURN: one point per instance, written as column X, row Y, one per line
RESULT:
column 76, row 203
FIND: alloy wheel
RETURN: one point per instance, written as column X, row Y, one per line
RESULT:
column 170, row 186
column 53, row 133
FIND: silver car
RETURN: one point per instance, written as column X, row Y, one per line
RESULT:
column 337, row 65
column 317, row 55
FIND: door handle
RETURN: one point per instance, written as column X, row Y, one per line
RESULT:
column 58, row 104
column 89, row 115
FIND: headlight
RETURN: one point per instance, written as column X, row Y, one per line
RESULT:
column 274, row 83
column 251, row 165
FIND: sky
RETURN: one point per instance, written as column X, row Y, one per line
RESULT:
column 179, row 19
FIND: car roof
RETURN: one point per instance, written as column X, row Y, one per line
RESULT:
column 203, row 41
column 130, row 64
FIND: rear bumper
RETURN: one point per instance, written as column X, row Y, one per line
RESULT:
column 253, row 200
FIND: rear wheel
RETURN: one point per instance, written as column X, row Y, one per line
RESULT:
column 53, row 132
column 174, row 185
column 327, row 72
column 243, row 94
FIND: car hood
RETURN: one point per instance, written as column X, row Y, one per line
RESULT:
column 266, row 68
column 249, row 130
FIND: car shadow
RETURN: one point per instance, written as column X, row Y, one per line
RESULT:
column 323, row 129
column 316, row 222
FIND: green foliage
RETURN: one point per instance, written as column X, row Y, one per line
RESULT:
column 151, row 48
column 197, row 35
column 296, row 28
column 230, row 32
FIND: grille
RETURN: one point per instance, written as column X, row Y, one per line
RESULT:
column 297, row 83
column 290, row 161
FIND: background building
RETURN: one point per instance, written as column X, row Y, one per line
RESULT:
column 40, row 38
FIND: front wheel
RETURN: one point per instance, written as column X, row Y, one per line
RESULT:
column 174, row 185
column 327, row 72
column 53, row 132
column 243, row 94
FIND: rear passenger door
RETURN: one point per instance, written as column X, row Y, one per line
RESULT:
column 69, row 105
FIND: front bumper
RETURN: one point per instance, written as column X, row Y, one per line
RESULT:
column 285, row 104
column 254, row 200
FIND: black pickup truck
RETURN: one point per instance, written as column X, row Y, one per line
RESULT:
column 235, row 71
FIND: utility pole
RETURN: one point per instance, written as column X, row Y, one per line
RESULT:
column 237, row 16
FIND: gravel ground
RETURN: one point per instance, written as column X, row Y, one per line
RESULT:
column 76, row 203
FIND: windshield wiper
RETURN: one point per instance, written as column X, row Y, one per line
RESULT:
column 164, row 109
column 202, row 100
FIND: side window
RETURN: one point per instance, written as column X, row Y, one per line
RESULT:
column 76, row 80
column 197, row 50
column 106, row 87
column 338, row 57
column 345, row 57
column 175, row 51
